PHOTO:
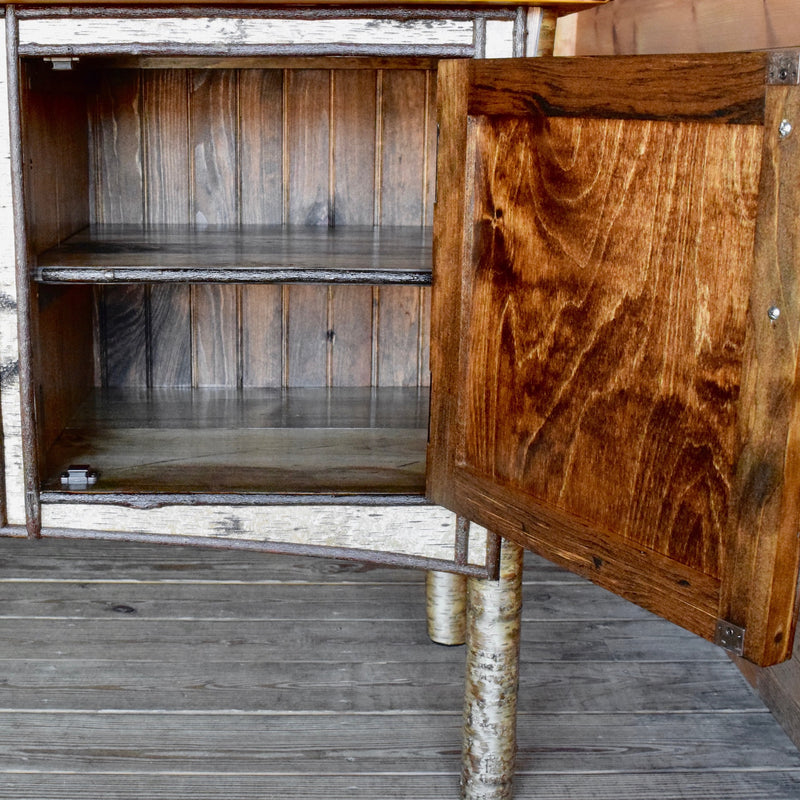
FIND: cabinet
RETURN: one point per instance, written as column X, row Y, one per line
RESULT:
column 226, row 228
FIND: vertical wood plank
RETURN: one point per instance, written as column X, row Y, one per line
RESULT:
column 403, row 147
column 165, row 115
column 429, row 196
column 170, row 335
column 425, row 338
column 398, row 323
column 307, row 99
column 261, row 146
column 307, row 108
column 354, row 122
column 262, row 332
column 261, row 164
column 117, row 171
column 166, row 156
column 213, row 129
column 351, row 327
column 213, row 124
column 124, row 333
column 215, row 332
column 354, row 109
column 307, row 336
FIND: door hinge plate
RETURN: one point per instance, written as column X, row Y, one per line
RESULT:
column 730, row 637
column 784, row 68
column 78, row 476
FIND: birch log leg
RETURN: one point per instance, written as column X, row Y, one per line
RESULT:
column 492, row 675
column 446, row 607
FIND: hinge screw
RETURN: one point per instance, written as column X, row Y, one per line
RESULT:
column 774, row 313
column 785, row 128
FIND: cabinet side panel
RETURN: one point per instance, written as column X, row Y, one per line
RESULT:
column 14, row 504
column 56, row 156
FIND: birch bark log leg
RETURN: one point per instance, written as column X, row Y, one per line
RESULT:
column 446, row 607
column 492, row 676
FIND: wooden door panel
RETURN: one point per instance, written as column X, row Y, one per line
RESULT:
column 605, row 260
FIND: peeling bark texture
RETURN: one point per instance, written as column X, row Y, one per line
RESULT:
column 445, row 594
column 490, row 702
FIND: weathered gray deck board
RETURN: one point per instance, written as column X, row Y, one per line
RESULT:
column 244, row 675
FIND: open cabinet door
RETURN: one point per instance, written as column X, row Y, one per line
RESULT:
column 616, row 313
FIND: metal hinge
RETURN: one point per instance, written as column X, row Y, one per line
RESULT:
column 784, row 68
column 730, row 637
column 61, row 63
column 78, row 476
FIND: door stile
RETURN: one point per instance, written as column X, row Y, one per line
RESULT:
column 450, row 238
column 759, row 574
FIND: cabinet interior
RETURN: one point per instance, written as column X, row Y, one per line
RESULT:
column 230, row 266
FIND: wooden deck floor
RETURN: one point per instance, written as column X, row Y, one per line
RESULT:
column 132, row 671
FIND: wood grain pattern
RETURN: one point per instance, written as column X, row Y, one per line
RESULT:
column 118, row 180
column 308, row 147
column 723, row 88
column 212, row 144
column 123, row 310
column 261, row 146
column 166, row 158
column 620, row 404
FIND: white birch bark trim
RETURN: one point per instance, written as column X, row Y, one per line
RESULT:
column 9, row 341
column 499, row 38
column 446, row 607
column 478, row 544
column 238, row 31
column 421, row 531
column 494, row 610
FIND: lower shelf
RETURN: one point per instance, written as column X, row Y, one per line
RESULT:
column 261, row 441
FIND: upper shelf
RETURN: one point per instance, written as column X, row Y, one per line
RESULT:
column 244, row 254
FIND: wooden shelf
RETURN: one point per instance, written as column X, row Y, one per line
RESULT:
column 351, row 441
column 244, row 254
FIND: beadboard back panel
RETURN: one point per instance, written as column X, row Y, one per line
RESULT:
column 252, row 146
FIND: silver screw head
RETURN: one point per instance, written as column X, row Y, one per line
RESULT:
column 785, row 128
column 773, row 313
